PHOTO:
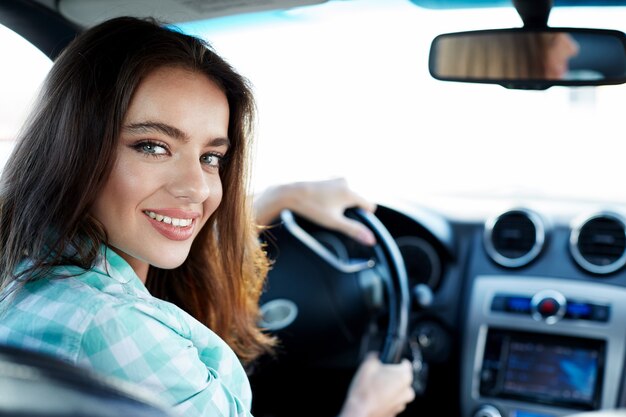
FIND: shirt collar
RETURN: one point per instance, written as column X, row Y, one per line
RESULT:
column 113, row 265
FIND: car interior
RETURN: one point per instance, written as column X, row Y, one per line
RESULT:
column 504, row 286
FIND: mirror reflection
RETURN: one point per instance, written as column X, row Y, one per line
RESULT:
column 549, row 55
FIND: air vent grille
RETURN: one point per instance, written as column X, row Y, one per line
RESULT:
column 599, row 243
column 514, row 238
column 513, row 235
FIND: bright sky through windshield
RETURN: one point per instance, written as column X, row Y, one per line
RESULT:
column 343, row 90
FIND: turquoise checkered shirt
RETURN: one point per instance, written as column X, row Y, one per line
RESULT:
column 105, row 319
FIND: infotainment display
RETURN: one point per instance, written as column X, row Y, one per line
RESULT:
column 557, row 370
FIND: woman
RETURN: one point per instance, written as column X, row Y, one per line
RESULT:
column 125, row 230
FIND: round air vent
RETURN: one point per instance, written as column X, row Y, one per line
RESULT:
column 598, row 243
column 514, row 238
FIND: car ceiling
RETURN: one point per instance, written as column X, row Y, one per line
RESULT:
column 52, row 24
column 89, row 12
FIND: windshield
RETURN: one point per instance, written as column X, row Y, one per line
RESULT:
column 22, row 72
column 343, row 89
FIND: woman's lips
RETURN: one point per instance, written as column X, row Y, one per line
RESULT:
column 174, row 224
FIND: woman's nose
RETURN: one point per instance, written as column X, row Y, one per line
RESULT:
column 189, row 180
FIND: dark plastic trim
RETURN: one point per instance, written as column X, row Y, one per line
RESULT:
column 43, row 27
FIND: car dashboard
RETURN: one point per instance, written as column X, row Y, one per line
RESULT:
column 519, row 311
column 527, row 310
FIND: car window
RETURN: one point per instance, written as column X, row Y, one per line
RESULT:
column 22, row 71
column 343, row 90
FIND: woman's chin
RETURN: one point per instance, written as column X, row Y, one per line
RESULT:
column 168, row 263
column 168, row 254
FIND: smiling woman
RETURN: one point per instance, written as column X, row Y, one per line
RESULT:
column 115, row 189
column 166, row 180
column 127, row 244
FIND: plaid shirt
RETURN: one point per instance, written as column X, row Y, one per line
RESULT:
column 106, row 320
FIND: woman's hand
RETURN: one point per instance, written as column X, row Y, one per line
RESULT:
column 379, row 390
column 322, row 202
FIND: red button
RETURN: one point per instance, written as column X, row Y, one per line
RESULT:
column 548, row 307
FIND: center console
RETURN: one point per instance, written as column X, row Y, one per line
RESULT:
column 541, row 349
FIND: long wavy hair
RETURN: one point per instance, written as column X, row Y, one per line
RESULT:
column 66, row 151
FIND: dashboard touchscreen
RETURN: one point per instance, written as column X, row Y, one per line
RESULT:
column 557, row 370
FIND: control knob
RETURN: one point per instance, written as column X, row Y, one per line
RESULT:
column 548, row 305
column 487, row 411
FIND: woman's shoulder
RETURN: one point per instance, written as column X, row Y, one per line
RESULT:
column 89, row 289
column 65, row 300
column 51, row 314
column 84, row 300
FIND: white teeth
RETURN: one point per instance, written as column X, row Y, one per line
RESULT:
column 169, row 220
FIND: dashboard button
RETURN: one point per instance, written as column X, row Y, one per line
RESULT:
column 549, row 306
column 600, row 313
column 498, row 303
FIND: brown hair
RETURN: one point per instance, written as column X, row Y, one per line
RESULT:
column 65, row 154
column 502, row 56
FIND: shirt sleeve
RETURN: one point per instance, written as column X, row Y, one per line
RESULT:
column 129, row 343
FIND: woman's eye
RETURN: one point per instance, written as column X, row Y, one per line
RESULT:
column 211, row 159
column 150, row 148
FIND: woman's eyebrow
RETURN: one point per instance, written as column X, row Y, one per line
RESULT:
column 219, row 142
column 169, row 130
column 150, row 126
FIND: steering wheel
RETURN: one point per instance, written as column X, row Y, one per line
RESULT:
column 320, row 298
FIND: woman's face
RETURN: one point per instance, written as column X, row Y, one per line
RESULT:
column 165, row 182
column 561, row 48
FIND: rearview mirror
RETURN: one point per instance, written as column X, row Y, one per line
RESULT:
column 531, row 58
